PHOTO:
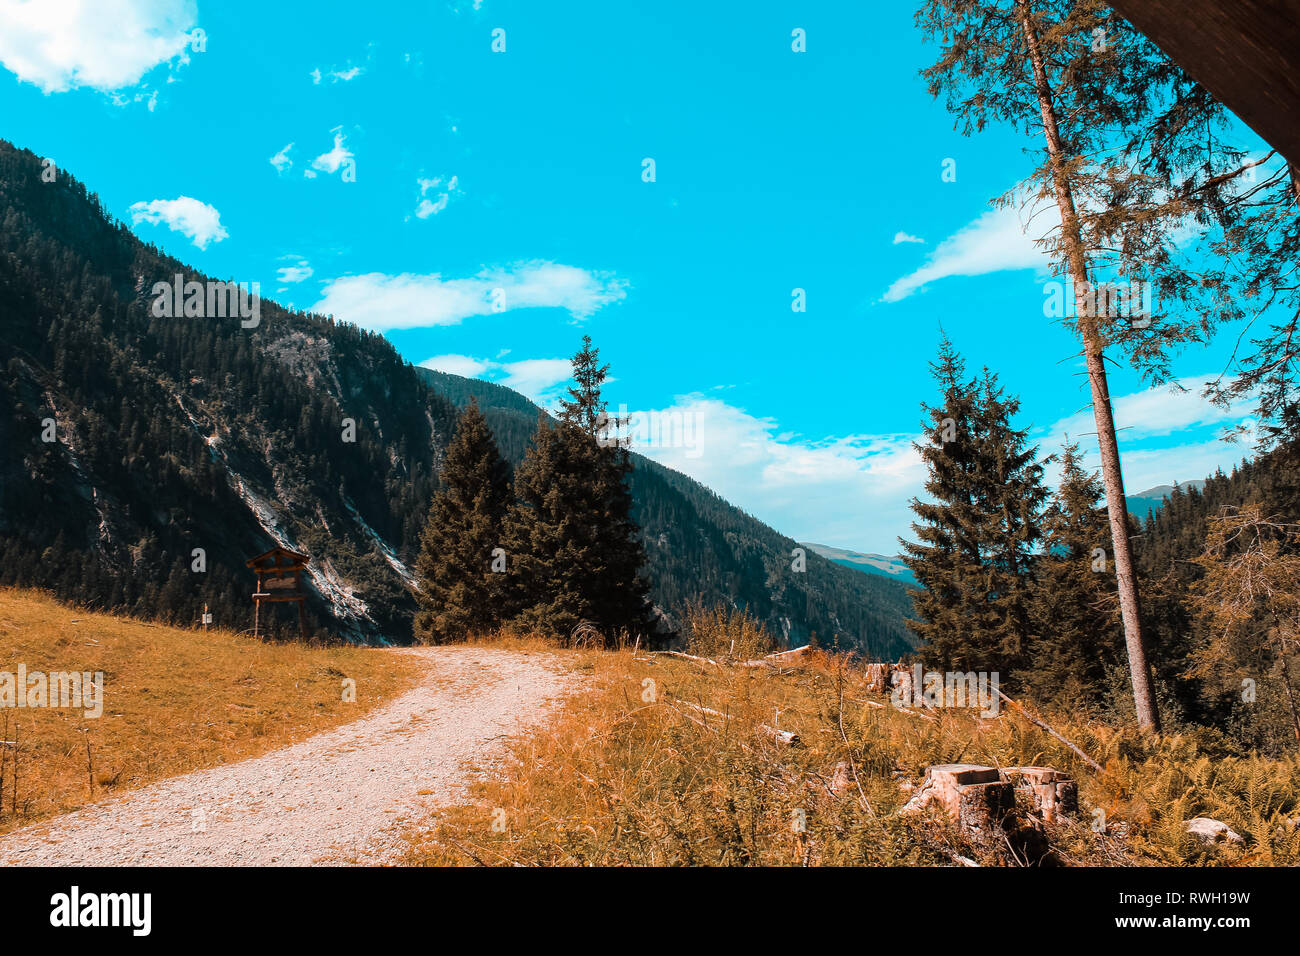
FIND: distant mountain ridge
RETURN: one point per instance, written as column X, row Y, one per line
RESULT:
column 183, row 446
column 889, row 567
column 1146, row 503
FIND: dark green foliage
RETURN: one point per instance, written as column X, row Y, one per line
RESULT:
column 700, row 547
column 460, row 592
column 1075, row 610
column 576, row 551
column 977, row 534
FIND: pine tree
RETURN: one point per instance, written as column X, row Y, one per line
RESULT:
column 576, row 551
column 460, row 591
column 1056, row 69
column 1074, row 607
column 976, row 537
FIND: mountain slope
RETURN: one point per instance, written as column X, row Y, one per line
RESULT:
column 186, row 445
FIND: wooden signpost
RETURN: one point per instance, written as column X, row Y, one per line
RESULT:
column 279, row 578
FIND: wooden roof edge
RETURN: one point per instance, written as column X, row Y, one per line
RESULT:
column 278, row 549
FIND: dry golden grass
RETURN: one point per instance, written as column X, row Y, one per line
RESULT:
column 632, row 772
column 174, row 700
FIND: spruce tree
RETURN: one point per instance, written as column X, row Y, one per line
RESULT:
column 460, row 591
column 575, row 550
column 976, row 537
column 1075, row 610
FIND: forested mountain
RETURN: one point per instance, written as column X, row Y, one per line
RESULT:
column 146, row 457
column 1170, row 539
column 1145, row 503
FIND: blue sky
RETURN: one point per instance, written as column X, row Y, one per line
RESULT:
column 485, row 209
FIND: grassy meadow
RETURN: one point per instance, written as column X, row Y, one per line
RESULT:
column 666, row 761
column 174, row 700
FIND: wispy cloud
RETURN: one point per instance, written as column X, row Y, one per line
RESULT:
column 336, row 76
column 1166, row 434
column 902, row 237
column 442, row 195
column 1157, row 412
column 196, row 220
column 281, row 160
column 995, row 242
column 465, row 366
column 539, row 379
column 406, row 301
column 333, row 160
column 105, row 45
column 787, row 480
column 298, row 270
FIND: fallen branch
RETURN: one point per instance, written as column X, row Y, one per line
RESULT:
column 901, row 710
column 772, row 660
column 781, row 736
column 1034, row 720
column 688, row 657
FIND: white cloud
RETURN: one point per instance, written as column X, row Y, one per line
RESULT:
column 196, row 220
column 1156, row 412
column 442, row 195
column 331, row 161
column 281, row 160
column 336, row 76
column 464, row 365
column 850, row 492
column 1146, row 421
column 903, row 237
column 299, row 271
column 994, row 242
column 538, row 379
column 408, row 301
column 1148, row 467
column 106, row 45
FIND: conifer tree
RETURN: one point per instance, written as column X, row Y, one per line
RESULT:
column 460, row 591
column 1052, row 69
column 576, row 551
column 976, row 537
column 1074, row 609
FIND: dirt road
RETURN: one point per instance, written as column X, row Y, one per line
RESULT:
column 335, row 797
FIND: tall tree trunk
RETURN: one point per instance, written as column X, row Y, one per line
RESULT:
column 1144, row 700
column 1290, row 694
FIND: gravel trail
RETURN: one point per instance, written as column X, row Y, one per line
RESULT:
column 336, row 797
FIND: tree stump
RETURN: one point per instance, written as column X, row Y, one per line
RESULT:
column 1051, row 792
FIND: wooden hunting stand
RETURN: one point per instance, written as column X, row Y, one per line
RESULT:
column 279, row 579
